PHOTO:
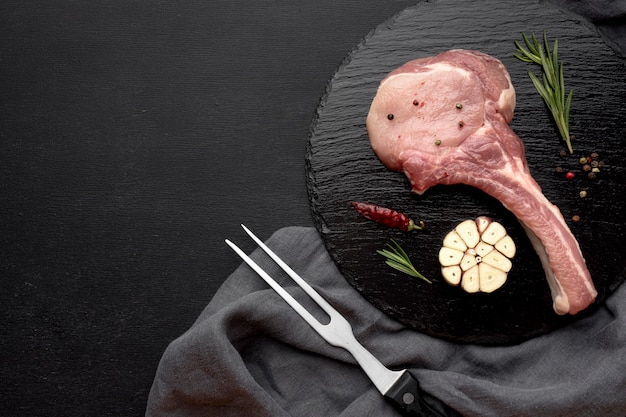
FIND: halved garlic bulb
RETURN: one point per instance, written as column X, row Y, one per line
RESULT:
column 477, row 254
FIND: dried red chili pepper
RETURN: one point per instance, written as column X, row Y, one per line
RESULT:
column 386, row 216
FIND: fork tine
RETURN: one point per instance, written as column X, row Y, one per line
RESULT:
column 330, row 310
column 308, row 317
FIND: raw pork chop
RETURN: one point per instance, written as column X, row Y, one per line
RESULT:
column 444, row 120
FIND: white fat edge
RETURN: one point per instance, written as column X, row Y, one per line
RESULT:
column 557, row 215
column 438, row 66
column 559, row 296
column 555, row 286
column 507, row 95
column 444, row 66
column 560, row 301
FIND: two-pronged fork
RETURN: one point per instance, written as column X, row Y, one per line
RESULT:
column 398, row 387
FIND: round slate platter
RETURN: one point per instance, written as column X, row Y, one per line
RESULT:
column 342, row 167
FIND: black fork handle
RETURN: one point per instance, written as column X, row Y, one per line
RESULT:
column 409, row 399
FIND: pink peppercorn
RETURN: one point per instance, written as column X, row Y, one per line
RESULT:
column 569, row 175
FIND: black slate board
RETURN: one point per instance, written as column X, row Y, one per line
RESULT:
column 342, row 167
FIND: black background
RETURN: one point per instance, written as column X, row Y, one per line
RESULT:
column 135, row 136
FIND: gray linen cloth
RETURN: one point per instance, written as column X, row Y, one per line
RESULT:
column 249, row 354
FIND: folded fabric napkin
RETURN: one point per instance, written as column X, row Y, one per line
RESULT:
column 249, row 354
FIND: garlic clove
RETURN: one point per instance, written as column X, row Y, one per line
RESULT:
column 452, row 274
column 454, row 241
column 468, row 261
column 498, row 260
column 482, row 222
column 470, row 281
column 468, row 232
column 449, row 256
column 483, row 249
column 490, row 278
column 493, row 233
column 506, row 246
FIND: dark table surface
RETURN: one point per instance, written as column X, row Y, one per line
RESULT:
column 135, row 137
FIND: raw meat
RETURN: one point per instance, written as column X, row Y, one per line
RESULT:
column 444, row 120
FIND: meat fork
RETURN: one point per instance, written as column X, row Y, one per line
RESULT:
column 398, row 387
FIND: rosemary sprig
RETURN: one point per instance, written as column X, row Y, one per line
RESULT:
column 398, row 259
column 552, row 86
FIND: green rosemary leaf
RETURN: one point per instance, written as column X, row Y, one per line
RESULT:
column 551, row 88
column 391, row 256
column 555, row 53
column 400, row 267
column 568, row 102
column 541, row 88
column 397, row 258
column 562, row 87
column 398, row 249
